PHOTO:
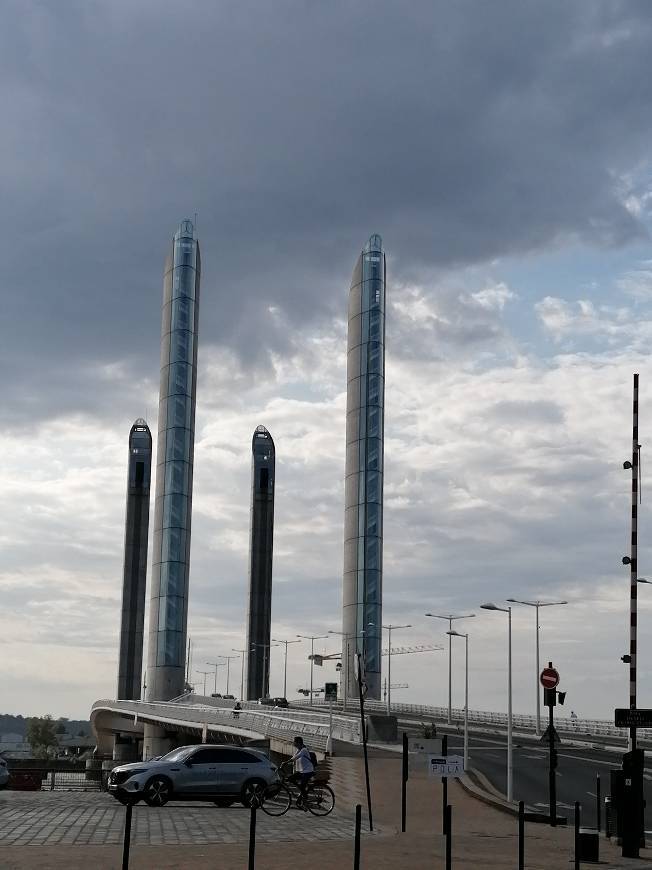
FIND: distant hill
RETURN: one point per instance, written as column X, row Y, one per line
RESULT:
column 18, row 725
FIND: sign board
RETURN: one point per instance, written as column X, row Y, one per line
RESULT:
column 549, row 678
column 330, row 691
column 445, row 765
column 633, row 718
column 317, row 660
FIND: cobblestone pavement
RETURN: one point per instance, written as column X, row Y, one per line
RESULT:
column 49, row 818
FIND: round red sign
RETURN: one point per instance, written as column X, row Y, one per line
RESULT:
column 549, row 678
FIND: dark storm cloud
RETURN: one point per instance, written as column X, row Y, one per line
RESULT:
column 460, row 131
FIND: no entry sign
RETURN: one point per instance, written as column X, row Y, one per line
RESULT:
column 549, row 678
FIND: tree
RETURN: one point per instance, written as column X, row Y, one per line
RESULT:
column 41, row 735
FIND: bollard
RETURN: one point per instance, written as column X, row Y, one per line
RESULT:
column 577, row 835
column 127, row 839
column 356, row 842
column 521, row 835
column 449, row 836
column 252, row 837
column 404, row 779
column 52, row 772
column 598, row 804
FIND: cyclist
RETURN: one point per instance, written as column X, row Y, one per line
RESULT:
column 304, row 769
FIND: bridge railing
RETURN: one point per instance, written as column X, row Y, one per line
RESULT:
column 282, row 724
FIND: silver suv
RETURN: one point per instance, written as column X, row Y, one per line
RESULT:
column 221, row 774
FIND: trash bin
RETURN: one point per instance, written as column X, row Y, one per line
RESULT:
column 588, row 845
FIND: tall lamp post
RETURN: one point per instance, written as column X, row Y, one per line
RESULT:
column 285, row 668
column 228, row 660
column 389, row 663
column 312, row 638
column 215, row 665
column 205, row 674
column 348, row 636
column 466, row 694
column 537, row 605
column 510, row 765
column 242, row 655
column 450, row 618
column 266, row 647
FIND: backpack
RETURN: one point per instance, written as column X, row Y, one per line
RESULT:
column 313, row 758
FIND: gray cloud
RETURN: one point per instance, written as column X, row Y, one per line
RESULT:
column 461, row 132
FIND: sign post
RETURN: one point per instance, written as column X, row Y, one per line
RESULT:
column 330, row 694
column 550, row 680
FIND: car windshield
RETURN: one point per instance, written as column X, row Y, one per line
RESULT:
column 177, row 754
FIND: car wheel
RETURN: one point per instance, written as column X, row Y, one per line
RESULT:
column 224, row 802
column 158, row 791
column 253, row 792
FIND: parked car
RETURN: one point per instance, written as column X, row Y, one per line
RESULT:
column 229, row 697
column 221, row 774
column 4, row 773
column 274, row 702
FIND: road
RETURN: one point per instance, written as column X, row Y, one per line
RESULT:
column 577, row 772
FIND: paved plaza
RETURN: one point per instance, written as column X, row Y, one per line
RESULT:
column 96, row 818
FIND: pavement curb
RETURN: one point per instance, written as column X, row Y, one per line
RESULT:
column 478, row 786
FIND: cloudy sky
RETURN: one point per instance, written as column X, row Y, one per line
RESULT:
column 503, row 150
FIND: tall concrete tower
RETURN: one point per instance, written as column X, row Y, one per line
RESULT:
column 168, row 614
column 363, row 518
column 261, row 542
column 130, row 663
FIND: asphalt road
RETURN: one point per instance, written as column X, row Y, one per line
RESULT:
column 577, row 772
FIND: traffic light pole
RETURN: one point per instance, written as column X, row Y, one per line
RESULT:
column 550, row 699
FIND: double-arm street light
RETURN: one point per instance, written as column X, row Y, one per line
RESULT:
column 285, row 668
column 450, row 618
column 312, row 638
column 466, row 694
column 510, row 766
column 205, row 673
column 267, row 652
column 215, row 665
column 537, row 605
column 390, row 628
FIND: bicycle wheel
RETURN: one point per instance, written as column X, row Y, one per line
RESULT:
column 276, row 800
column 320, row 800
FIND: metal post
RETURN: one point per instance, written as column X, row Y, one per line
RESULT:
column 285, row 672
column 448, row 823
column 444, row 784
column 252, row 838
column 364, row 742
column 356, row 842
column 329, row 742
column 577, row 835
column 127, row 838
column 312, row 665
column 450, row 673
column 633, row 587
column 228, row 668
column 52, row 772
column 242, row 678
column 552, row 782
column 510, row 766
column 404, row 779
column 598, row 806
column 521, row 835
column 466, row 706
column 536, row 677
column 389, row 671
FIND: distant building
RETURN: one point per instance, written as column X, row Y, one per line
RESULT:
column 261, row 545
column 363, row 518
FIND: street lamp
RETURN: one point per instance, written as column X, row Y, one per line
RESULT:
column 450, row 619
column 537, row 605
column 204, row 673
column 265, row 647
column 389, row 663
column 216, row 665
column 510, row 767
column 312, row 638
column 466, row 695
column 285, row 669
column 242, row 654
column 346, row 655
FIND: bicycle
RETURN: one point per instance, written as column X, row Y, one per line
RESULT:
column 276, row 800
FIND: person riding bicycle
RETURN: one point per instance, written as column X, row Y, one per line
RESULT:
column 304, row 769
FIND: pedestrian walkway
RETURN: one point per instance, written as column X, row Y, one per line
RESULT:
column 483, row 837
